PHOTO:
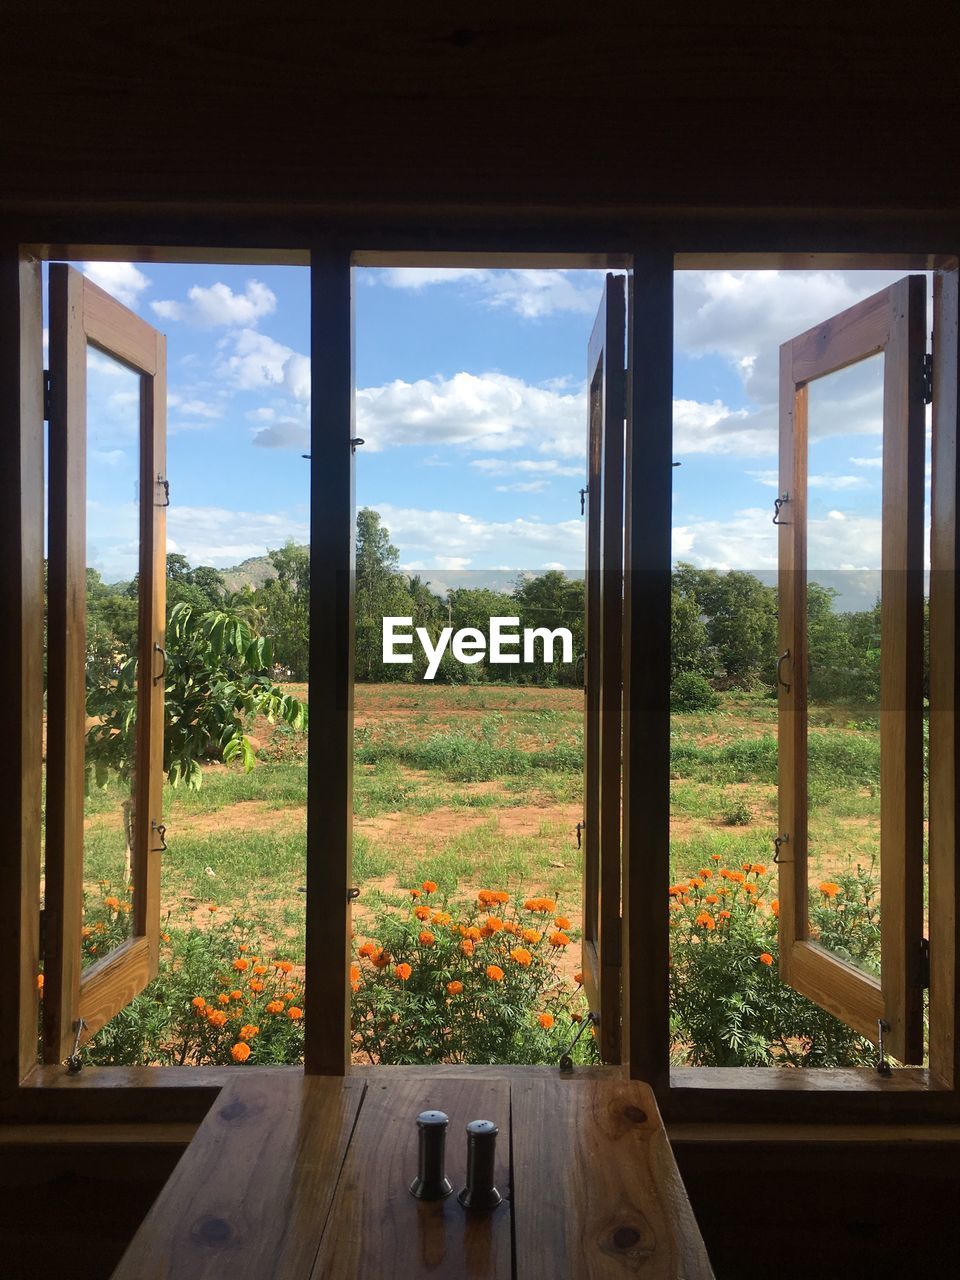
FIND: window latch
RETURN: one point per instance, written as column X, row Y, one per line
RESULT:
column 566, row 1062
column 581, row 827
column 75, row 1062
column 778, row 504
column 883, row 1066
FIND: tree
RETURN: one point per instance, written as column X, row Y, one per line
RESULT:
column 285, row 602
column 380, row 592
column 218, row 675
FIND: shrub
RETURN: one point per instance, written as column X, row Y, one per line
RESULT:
column 690, row 691
column 445, row 982
column 738, row 815
column 729, row 1006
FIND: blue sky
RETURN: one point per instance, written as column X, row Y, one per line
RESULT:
column 470, row 395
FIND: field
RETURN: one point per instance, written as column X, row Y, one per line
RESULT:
column 481, row 786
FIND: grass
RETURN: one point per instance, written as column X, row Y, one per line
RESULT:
column 482, row 786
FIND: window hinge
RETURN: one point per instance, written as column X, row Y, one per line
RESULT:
column 925, row 964
column 927, row 378
column 47, row 393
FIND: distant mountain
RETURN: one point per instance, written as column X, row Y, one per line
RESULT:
column 251, row 573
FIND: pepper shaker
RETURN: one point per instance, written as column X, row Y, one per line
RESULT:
column 430, row 1182
column 480, row 1193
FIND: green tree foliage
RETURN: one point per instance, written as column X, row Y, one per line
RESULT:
column 219, row 674
column 284, row 604
column 740, row 616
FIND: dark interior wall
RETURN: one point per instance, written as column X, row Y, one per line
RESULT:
column 72, row 1210
column 834, row 1211
column 477, row 108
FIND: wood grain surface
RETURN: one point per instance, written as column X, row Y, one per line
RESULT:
column 377, row 1229
column 251, row 1195
column 597, row 1194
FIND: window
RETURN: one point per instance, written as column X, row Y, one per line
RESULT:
column 88, row 325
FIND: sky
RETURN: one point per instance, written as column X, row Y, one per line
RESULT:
column 471, row 400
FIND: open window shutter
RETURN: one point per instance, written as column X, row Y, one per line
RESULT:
column 892, row 324
column 83, row 317
column 603, row 666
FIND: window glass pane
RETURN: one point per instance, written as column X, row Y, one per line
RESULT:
column 112, row 624
column 845, row 474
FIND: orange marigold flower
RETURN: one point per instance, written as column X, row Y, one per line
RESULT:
column 561, row 922
column 751, row 887
column 716, row 857
column 294, row 1014
column 223, row 998
column 745, row 866
column 354, row 973
column 466, row 946
column 39, row 981
column 546, row 1021
column 198, row 1002
column 441, row 917
column 723, row 915
column 236, row 994
column 256, row 985
column 559, row 940
column 259, row 969
column 829, row 889
column 677, row 890
column 737, row 876
column 494, row 973
column 275, row 1006
column 494, row 924
column 240, row 1052
column 112, row 902
column 241, row 964
column 284, row 966
column 485, row 897
column 381, row 959
column 403, row 971
column 422, row 913
column 368, row 949
column 705, row 873
column 695, row 883
column 759, row 869
column 532, row 936
column 454, row 988
column 429, row 886
column 521, row 955
column 775, row 907
column 510, row 927
column 243, row 947
column 501, row 897
column 711, row 899
column 414, row 893
column 705, row 920
column 578, row 979
column 426, row 938
column 473, row 932
column 766, row 957
column 216, row 1018
column 212, row 907
column 248, row 1032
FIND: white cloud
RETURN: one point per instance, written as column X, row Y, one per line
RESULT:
column 533, row 293
column 772, row 480
column 838, row 542
column 252, row 361
column 542, row 466
column 433, row 539
column 876, row 461
column 288, row 433
column 120, row 279
column 529, row 486
column 210, row 306
column 485, row 411
column 223, row 537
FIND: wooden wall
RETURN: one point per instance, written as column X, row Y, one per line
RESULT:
column 548, row 110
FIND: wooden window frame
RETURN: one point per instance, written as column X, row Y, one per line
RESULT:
column 82, row 316
column 860, row 1096
column 892, row 324
column 601, row 947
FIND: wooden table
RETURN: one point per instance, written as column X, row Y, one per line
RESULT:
column 294, row 1177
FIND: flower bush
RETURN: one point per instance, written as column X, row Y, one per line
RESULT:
column 220, row 998
column 437, row 981
column 729, row 1006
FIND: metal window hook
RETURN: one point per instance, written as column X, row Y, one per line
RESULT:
column 580, row 828
column 778, row 843
column 75, row 1062
column 566, row 1062
column 778, row 503
column 883, row 1066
